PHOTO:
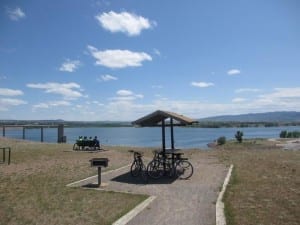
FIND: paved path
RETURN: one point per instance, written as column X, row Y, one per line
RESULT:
column 186, row 202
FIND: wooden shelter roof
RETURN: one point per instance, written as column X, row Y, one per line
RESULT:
column 159, row 115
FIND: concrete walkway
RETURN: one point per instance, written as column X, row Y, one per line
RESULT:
column 186, row 202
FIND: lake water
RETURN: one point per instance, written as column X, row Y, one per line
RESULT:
column 185, row 137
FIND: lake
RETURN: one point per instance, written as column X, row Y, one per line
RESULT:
column 185, row 137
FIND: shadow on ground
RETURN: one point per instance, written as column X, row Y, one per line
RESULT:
column 127, row 178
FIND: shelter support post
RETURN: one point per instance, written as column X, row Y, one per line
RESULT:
column 163, row 131
column 42, row 134
column 172, row 134
column 60, row 133
column 24, row 133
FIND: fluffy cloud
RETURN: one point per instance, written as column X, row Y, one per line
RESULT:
column 282, row 96
column 126, row 95
column 118, row 58
column 16, row 14
column 202, row 84
column 67, row 90
column 107, row 77
column 70, row 65
column 6, row 103
column 47, row 105
column 10, row 92
column 238, row 100
column 233, row 72
column 124, row 22
column 124, row 92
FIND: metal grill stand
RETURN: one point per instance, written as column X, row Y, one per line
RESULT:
column 99, row 163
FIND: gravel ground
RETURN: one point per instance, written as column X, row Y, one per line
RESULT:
column 178, row 201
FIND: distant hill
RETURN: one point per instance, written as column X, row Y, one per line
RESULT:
column 289, row 116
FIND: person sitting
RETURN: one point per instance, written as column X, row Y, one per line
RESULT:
column 96, row 142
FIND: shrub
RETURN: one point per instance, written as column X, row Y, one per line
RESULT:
column 221, row 140
column 239, row 136
column 283, row 134
column 286, row 134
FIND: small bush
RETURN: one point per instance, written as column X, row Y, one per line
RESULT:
column 221, row 140
column 239, row 136
column 283, row 134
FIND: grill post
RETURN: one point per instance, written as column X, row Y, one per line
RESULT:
column 99, row 163
column 99, row 176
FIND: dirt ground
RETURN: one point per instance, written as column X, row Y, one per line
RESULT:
column 177, row 201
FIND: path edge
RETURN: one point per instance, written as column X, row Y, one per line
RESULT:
column 220, row 215
column 132, row 213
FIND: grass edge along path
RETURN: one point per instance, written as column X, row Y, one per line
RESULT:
column 220, row 208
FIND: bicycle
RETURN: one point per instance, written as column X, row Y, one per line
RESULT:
column 159, row 165
column 138, row 167
column 178, row 166
column 183, row 169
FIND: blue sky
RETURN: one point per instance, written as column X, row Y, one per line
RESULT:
column 119, row 60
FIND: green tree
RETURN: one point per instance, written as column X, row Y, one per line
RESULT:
column 239, row 136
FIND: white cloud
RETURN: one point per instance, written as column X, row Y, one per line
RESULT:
column 16, row 14
column 233, row 72
column 126, row 95
column 70, row 65
column 202, row 84
column 67, row 90
column 118, row 58
column 247, row 90
column 6, row 103
column 107, row 77
column 124, row 92
column 50, row 104
column 98, row 103
column 238, row 100
column 124, row 22
column 10, row 92
column 282, row 96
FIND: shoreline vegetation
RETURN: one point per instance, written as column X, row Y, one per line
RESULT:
column 264, row 188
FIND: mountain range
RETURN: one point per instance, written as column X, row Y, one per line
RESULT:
column 285, row 116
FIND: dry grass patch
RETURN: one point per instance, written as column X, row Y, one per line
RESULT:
column 33, row 188
column 264, row 188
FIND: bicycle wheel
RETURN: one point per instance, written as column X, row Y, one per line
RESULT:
column 184, row 169
column 155, row 169
column 135, row 169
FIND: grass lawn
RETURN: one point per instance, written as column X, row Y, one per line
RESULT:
column 33, row 187
column 264, row 188
column 265, row 184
